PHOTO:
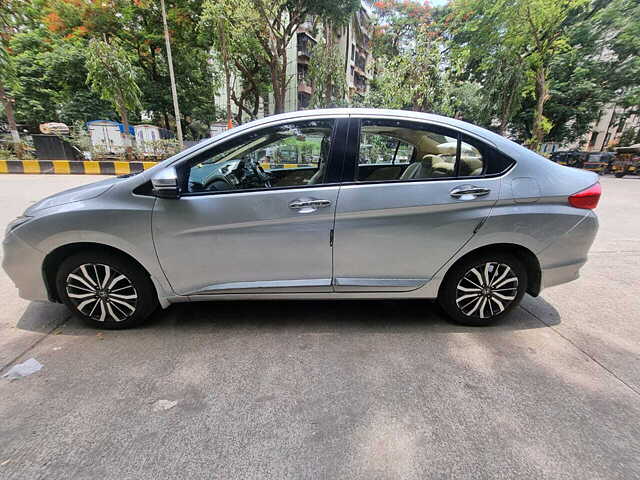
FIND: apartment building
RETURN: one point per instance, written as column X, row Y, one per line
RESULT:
column 604, row 134
column 354, row 43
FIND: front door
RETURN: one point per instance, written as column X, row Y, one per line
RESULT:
column 246, row 225
column 394, row 233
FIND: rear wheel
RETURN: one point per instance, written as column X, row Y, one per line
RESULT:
column 481, row 290
column 105, row 290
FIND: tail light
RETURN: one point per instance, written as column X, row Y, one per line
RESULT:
column 586, row 198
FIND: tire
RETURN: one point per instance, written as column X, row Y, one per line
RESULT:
column 492, row 304
column 126, row 298
column 619, row 175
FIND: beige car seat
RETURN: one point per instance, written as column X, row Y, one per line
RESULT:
column 471, row 165
column 430, row 166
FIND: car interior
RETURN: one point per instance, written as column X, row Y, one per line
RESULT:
column 286, row 156
column 409, row 154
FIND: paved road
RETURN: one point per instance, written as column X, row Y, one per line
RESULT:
column 367, row 390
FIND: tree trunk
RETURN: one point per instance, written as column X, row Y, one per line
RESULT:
column 279, row 79
column 122, row 110
column 279, row 90
column 227, row 80
column 506, row 113
column 7, row 103
column 328, row 91
column 542, row 95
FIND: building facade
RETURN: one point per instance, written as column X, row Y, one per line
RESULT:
column 604, row 134
column 353, row 42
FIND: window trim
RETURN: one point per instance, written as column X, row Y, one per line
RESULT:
column 333, row 172
column 351, row 161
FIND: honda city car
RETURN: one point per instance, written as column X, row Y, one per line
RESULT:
column 325, row 204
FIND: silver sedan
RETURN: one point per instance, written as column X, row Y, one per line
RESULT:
column 326, row 204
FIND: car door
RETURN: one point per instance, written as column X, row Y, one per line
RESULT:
column 394, row 234
column 237, row 230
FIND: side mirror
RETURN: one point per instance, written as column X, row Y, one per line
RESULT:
column 165, row 183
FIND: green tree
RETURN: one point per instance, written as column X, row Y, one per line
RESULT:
column 139, row 31
column 528, row 35
column 51, row 75
column 276, row 24
column 416, row 79
column 13, row 15
column 326, row 75
column 229, row 26
column 397, row 25
column 112, row 76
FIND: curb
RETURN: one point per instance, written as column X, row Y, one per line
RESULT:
column 71, row 167
column 86, row 167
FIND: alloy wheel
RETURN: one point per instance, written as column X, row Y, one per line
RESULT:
column 102, row 293
column 486, row 290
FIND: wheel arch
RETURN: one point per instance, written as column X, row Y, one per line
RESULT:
column 526, row 256
column 57, row 256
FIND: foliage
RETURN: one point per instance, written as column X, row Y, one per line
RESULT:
column 112, row 76
column 229, row 26
column 398, row 23
column 326, row 76
column 539, row 70
column 51, row 81
column 527, row 34
column 629, row 137
column 414, row 80
column 277, row 22
column 139, row 31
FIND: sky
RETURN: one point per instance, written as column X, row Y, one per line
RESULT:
column 438, row 3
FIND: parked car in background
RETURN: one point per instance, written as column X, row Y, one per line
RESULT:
column 394, row 204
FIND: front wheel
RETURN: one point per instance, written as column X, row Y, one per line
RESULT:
column 105, row 290
column 482, row 289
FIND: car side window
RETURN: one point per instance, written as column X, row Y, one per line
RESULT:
column 472, row 162
column 292, row 154
column 400, row 150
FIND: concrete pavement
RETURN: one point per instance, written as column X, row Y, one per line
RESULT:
column 367, row 390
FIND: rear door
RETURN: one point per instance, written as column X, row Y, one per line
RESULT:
column 394, row 234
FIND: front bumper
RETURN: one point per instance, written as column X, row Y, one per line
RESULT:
column 23, row 264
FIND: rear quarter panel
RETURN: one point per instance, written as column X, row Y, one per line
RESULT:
column 533, row 212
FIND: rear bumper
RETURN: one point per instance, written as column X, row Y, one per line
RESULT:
column 562, row 260
column 23, row 265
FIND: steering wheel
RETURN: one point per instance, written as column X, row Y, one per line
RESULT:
column 261, row 174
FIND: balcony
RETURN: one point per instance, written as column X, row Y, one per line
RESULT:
column 360, row 82
column 305, row 45
column 304, row 87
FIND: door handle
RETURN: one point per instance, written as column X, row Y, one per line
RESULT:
column 311, row 205
column 469, row 192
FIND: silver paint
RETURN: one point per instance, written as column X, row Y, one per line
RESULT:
column 393, row 240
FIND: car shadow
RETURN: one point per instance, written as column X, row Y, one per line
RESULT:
column 303, row 315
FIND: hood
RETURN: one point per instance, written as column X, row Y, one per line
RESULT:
column 77, row 194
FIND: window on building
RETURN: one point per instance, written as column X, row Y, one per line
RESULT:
column 304, row 100
column 593, row 139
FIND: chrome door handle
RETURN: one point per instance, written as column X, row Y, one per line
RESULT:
column 468, row 192
column 309, row 205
